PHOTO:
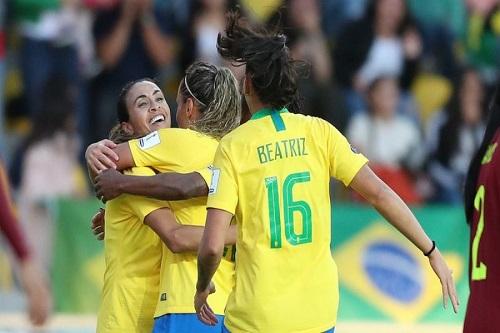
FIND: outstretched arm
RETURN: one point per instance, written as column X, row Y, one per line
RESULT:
column 390, row 206
column 178, row 237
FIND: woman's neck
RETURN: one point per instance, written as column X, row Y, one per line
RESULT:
column 256, row 106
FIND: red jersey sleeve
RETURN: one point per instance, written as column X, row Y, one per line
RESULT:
column 8, row 222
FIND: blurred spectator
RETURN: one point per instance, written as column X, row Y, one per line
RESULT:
column 336, row 13
column 207, row 19
column 384, row 42
column 389, row 140
column 100, row 4
column 50, row 167
column 260, row 11
column 33, row 280
column 454, row 136
column 49, row 30
column 133, row 39
column 301, row 23
column 3, row 9
column 442, row 25
column 483, row 37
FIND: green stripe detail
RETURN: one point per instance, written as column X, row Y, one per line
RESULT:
column 278, row 122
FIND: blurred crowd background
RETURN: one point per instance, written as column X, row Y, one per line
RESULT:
column 406, row 81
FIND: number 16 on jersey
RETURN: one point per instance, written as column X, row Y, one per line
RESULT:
column 289, row 207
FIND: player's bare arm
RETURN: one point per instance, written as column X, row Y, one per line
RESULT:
column 394, row 210
column 181, row 238
column 167, row 186
column 107, row 156
column 209, row 257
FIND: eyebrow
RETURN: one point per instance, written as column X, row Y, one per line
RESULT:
column 141, row 96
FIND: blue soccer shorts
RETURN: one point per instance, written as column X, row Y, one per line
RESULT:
column 185, row 323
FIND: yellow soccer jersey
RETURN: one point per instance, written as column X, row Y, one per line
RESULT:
column 133, row 258
column 183, row 150
column 273, row 174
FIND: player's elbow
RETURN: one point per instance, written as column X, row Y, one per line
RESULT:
column 380, row 196
column 175, row 243
column 194, row 186
column 211, row 252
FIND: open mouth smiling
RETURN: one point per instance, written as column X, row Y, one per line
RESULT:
column 157, row 119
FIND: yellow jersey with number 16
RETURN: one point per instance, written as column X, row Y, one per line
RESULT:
column 273, row 174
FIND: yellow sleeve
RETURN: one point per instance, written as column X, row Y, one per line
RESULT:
column 223, row 189
column 143, row 206
column 345, row 161
column 158, row 148
column 206, row 174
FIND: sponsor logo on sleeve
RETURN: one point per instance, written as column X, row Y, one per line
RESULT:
column 215, row 180
column 150, row 140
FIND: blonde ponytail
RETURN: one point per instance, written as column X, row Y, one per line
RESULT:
column 223, row 113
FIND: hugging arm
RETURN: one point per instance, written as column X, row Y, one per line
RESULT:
column 106, row 154
column 165, row 186
column 179, row 237
column 105, row 157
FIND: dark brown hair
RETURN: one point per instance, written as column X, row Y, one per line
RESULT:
column 273, row 72
column 121, row 105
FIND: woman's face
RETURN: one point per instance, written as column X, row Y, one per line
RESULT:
column 147, row 108
column 390, row 12
column 384, row 98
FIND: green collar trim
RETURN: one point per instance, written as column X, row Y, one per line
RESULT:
column 266, row 112
column 278, row 122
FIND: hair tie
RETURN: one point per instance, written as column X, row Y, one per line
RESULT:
column 191, row 93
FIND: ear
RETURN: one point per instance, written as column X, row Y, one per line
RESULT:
column 247, row 85
column 127, row 128
column 189, row 108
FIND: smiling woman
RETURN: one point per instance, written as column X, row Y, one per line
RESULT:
column 208, row 108
column 142, row 108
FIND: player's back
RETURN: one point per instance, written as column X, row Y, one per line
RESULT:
column 483, row 308
column 286, row 277
column 133, row 258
